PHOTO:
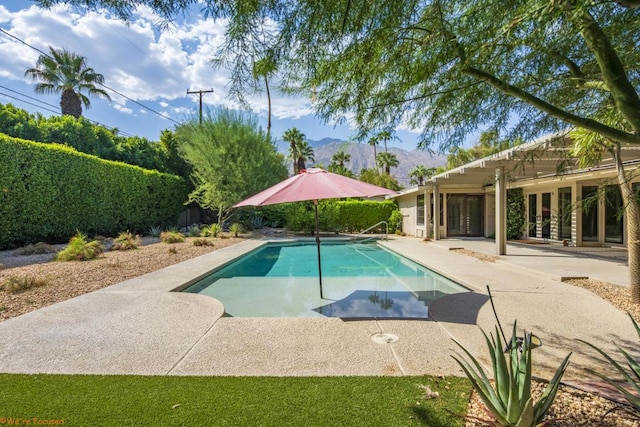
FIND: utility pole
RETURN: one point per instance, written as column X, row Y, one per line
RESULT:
column 200, row 92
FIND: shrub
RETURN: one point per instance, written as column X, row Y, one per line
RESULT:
column 15, row 284
column 395, row 222
column 236, row 229
column 202, row 242
column 79, row 249
column 194, row 230
column 631, row 377
column 126, row 241
column 339, row 215
column 172, row 237
column 510, row 401
column 155, row 231
column 36, row 249
column 212, row 230
column 60, row 190
column 515, row 213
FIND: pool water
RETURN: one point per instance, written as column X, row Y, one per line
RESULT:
column 359, row 281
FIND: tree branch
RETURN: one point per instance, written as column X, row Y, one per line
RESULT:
column 613, row 71
column 552, row 110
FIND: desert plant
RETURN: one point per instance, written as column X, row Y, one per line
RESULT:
column 236, row 228
column 194, row 230
column 155, row 231
column 17, row 284
column 632, row 379
column 172, row 237
column 510, row 401
column 202, row 242
column 212, row 230
column 126, row 241
column 80, row 249
column 36, row 249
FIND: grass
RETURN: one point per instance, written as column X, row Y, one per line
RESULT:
column 233, row 401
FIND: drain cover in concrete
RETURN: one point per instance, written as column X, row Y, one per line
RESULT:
column 384, row 338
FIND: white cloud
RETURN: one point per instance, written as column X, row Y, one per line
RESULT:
column 152, row 65
column 122, row 109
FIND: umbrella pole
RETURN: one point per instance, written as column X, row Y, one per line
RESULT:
column 315, row 204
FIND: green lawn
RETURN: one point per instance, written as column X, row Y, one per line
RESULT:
column 91, row 400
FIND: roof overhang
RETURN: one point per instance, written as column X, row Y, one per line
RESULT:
column 545, row 157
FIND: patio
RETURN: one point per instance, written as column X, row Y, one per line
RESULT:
column 139, row 327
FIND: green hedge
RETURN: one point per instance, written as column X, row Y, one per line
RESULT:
column 49, row 191
column 515, row 213
column 339, row 216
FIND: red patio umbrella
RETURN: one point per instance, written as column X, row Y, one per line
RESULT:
column 314, row 184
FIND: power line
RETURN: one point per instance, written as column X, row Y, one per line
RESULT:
column 30, row 97
column 27, row 102
column 55, row 111
column 103, row 85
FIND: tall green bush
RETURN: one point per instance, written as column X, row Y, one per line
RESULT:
column 48, row 191
column 515, row 213
column 339, row 215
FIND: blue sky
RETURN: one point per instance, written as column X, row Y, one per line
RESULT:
column 151, row 66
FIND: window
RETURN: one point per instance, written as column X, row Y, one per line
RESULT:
column 420, row 210
column 613, row 215
column 590, row 213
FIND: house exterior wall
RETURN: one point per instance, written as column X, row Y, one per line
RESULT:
column 549, row 215
column 407, row 205
column 576, row 183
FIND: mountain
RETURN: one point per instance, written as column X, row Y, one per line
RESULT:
column 362, row 157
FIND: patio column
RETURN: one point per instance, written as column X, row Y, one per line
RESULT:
column 436, row 212
column 501, row 212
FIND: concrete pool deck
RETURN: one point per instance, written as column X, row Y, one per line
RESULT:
column 139, row 327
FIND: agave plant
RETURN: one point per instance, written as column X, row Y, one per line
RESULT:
column 236, row 228
column 155, row 231
column 509, row 401
column 212, row 230
column 632, row 378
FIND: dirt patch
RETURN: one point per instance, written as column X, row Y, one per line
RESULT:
column 478, row 255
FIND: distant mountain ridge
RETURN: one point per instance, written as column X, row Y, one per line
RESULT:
column 362, row 156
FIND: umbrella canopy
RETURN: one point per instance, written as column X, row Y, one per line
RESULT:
column 314, row 184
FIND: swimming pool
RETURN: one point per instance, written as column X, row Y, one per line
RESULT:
column 359, row 281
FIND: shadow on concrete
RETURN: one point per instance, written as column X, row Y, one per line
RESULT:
column 458, row 308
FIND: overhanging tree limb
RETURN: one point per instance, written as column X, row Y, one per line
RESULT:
column 613, row 71
column 593, row 125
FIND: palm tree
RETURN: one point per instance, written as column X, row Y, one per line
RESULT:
column 419, row 173
column 304, row 153
column 265, row 68
column 385, row 136
column 67, row 73
column 340, row 158
column 373, row 141
column 338, row 161
column 293, row 136
column 387, row 161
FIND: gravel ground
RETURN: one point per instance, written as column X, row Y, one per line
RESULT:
column 64, row 280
